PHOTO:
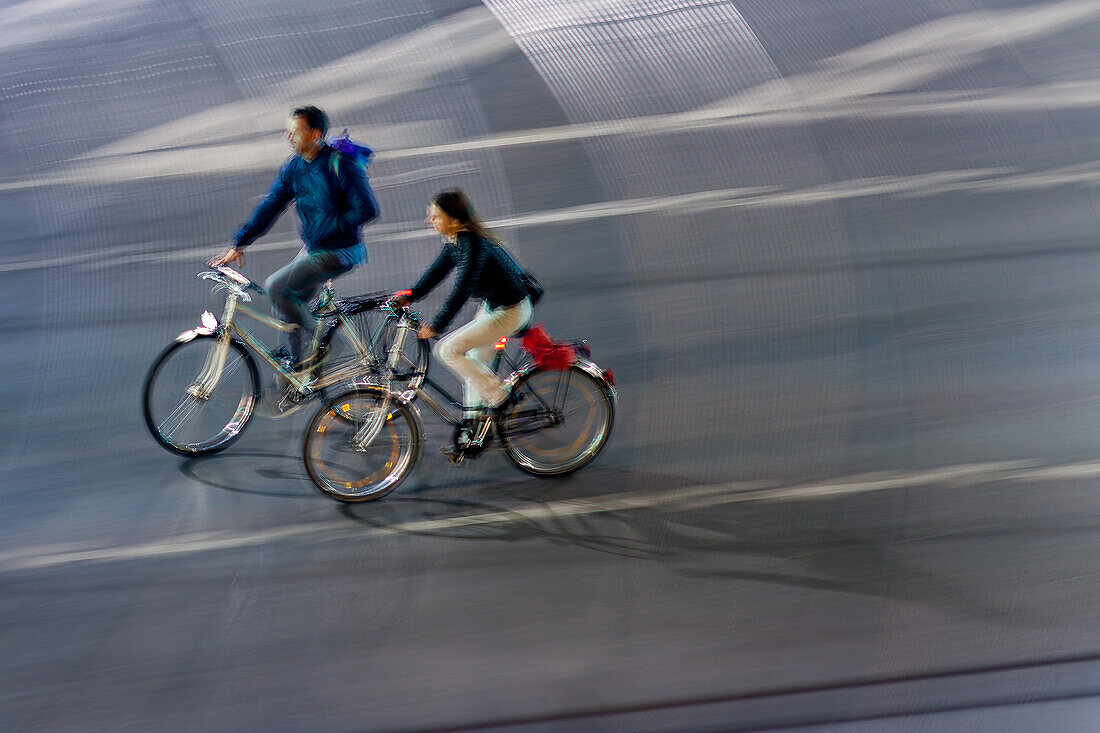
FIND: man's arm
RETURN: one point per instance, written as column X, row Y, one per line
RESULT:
column 268, row 210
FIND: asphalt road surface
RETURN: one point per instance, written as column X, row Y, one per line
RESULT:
column 842, row 257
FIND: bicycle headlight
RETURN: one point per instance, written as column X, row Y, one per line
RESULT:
column 208, row 320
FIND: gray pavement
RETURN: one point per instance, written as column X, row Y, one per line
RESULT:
column 841, row 257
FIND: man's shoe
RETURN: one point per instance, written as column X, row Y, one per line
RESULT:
column 285, row 398
column 456, row 456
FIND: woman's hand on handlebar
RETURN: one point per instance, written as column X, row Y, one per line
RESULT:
column 227, row 257
column 399, row 301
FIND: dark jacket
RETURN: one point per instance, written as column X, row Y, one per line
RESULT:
column 482, row 270
column 332, row 204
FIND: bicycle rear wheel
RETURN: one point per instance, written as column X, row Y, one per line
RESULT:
column 183, row 413
column 375, row 330
column 361, row 445
column 561, row 421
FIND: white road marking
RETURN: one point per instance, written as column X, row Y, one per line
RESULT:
column 875, row 80
column 973, row 181
column 690, row 498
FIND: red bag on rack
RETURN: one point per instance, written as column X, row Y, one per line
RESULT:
column 546, row 352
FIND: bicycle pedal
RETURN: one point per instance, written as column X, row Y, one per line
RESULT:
column 282, row 409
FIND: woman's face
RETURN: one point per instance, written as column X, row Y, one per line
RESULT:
column 446, row 225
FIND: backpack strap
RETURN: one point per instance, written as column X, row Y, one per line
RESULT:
column 338, row 186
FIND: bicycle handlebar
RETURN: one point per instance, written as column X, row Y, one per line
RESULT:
column 403, row 310
column 236, row 278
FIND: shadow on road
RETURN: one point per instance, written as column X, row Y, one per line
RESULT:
column 782, row 543
column 779, row 543
column 263, row 473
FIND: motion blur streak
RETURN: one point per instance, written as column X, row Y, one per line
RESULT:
column 973, row 182
column 842, row 257
column 680, row 499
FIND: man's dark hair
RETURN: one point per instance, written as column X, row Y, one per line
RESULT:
column 315, row 118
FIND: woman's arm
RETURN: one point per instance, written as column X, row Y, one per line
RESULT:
column 434, row 275
column 469, row 262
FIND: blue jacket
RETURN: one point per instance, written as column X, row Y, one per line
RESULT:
column 333, row 200
column 482, row 270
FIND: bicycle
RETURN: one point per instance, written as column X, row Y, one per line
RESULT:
column 362, row 444
column 203, row 389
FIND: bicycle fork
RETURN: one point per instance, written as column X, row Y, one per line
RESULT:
column 207, row 381
column 367, row 434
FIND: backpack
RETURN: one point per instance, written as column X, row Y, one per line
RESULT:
column 347, row 148
column 535, row 290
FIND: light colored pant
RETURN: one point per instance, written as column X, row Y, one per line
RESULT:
column 467, row 351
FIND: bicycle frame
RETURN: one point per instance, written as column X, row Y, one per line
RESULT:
column 229, row 328
column 442, row 402
column 540, row 401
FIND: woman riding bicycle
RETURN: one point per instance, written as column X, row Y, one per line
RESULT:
column 552, row 416
column 483, row 269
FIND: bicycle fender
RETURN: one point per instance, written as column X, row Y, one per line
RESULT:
column 209, row 325
column 593, row 370
column 588, row 367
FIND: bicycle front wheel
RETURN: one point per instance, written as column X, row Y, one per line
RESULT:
column 559, row 423
column 361, row 445
column 189, row 412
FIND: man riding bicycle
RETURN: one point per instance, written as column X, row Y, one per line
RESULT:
column 333, row 201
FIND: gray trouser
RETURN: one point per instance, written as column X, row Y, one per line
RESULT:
column 293, row 286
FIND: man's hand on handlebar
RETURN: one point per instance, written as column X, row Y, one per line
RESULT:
column 230, row 256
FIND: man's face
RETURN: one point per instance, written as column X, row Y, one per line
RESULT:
column 302, row 138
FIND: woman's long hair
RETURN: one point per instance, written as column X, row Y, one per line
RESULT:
column 454, row 203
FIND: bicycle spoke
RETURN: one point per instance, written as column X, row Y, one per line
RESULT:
column 186, row 410
column 359, row 447
column 183, row 410
column 547, row 440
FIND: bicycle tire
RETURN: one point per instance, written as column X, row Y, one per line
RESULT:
column 351, row 474
column 173, row 415
column 544, row 444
